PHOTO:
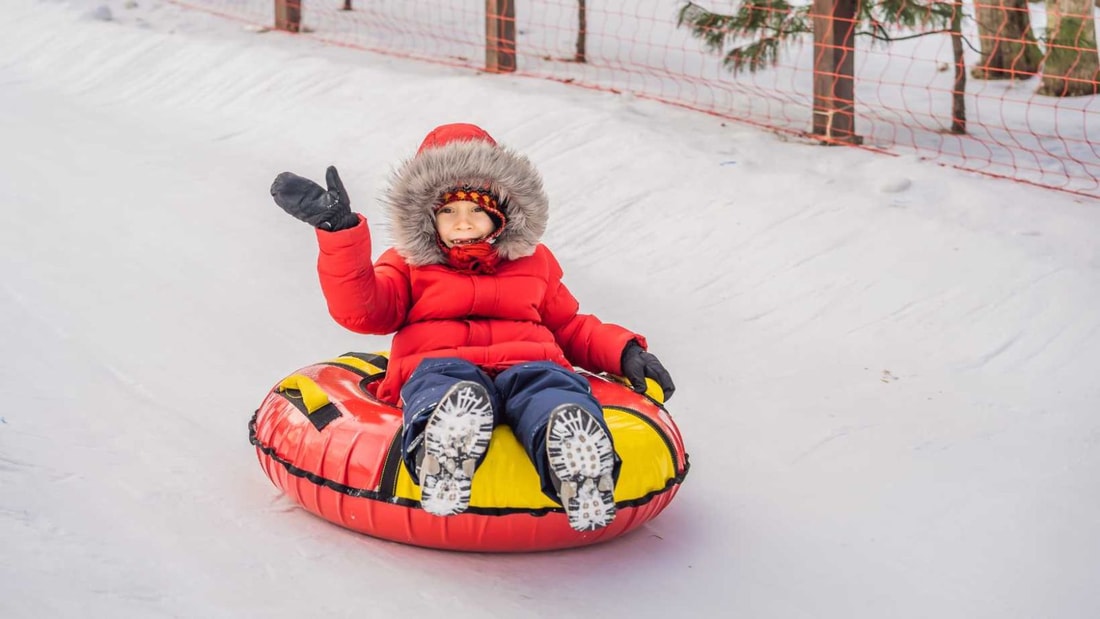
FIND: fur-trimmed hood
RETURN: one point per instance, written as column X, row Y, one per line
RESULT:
column 456, row 155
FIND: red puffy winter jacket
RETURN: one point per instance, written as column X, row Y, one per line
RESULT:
column 523, row 312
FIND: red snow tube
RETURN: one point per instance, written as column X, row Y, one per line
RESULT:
column 324, row 440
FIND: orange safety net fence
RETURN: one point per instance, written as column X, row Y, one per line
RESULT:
column 1001, row 87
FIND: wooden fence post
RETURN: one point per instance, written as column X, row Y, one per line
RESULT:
column 288, row 15
column 500, row 36
column 834, row 24
column 581, row 55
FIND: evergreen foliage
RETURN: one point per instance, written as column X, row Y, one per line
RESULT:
column 759, row 27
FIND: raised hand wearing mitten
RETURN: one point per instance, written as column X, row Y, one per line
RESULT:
column 306, row 200
column 639, row 365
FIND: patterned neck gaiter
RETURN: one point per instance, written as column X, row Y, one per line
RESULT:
column 480, row 257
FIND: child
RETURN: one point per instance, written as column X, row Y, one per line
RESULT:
column 485, row 331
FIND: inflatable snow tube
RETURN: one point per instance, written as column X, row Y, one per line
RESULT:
column 325, row 441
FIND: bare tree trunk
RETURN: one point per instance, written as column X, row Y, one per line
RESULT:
column 582, row 31
column 958, row 94
column 347, row 5
column 1072, row 65
column 1009, row 48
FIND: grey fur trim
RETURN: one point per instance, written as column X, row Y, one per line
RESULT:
column 419, row 182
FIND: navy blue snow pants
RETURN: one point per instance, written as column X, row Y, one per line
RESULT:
column 522, row 398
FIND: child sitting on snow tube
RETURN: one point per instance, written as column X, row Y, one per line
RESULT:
column 485, row 331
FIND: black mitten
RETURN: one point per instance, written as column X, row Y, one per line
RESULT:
column 307, row 201
column 639, row 364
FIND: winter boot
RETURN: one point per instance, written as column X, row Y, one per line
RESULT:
column 581, row 462
column 455, row 439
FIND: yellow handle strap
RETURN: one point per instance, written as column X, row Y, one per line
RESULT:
column 652, row 389
column 312, row 396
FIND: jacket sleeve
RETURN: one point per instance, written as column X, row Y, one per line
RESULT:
column 363, row 297
column 586, row 341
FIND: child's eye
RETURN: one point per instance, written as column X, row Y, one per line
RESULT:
column 446, row 209
column 478, row 209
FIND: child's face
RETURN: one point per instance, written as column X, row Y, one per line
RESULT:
column 462, row 222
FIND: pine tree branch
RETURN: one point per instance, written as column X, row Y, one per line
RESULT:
column 769, row 23
column 889, row 39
